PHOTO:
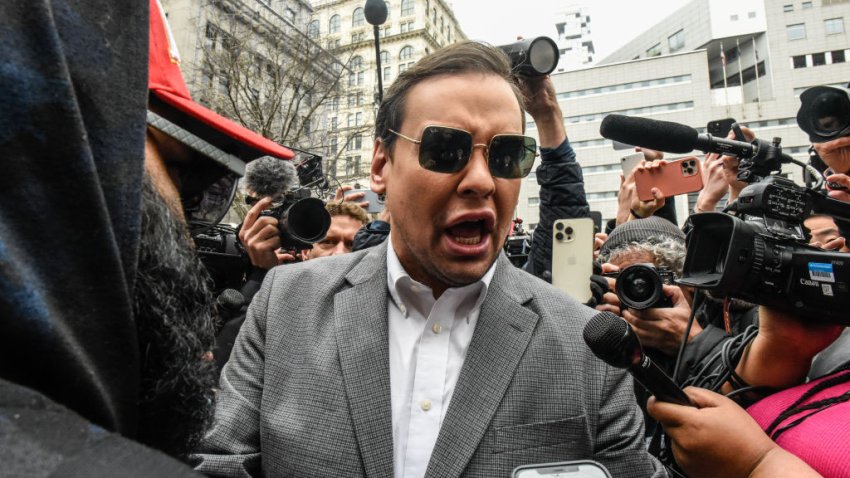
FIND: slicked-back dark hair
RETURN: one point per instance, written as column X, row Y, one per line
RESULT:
column 456, row 59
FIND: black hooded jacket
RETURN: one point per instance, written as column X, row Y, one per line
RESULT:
column 72, row 130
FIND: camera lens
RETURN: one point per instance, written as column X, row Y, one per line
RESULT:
column 559, row 236
column 830, row 112
column 559, row 226
column 569, row 231
column 639, row 287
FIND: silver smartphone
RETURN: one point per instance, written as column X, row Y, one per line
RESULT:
column 572, row 256
column 630, row 161
column 567, row 469
column 376, row 202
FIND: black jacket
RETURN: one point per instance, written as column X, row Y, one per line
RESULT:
column 562, row 196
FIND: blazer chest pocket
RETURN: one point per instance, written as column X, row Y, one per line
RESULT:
column 541, row 434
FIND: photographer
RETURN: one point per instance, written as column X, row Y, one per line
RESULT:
column 559, row 175
column 658, row 242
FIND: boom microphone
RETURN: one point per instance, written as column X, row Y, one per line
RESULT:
column 613, row 340
column 670, row 137
column 270, row 177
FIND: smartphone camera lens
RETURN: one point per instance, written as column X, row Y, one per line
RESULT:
column 569, row 231
column 559, row 226
column 559, row 236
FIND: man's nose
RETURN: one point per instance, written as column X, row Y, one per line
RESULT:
column 477, row 179
column 339, row 248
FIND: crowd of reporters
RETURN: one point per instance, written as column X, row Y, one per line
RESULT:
column 784, row 373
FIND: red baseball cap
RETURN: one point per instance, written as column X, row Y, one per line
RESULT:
column 167, row 87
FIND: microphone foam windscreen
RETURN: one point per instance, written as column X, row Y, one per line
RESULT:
column 605, row 334
column 658, row 135
column 270, row 177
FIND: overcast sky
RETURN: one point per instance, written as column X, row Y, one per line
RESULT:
column 613, row 22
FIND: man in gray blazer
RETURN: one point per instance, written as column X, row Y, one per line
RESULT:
column 430, row 355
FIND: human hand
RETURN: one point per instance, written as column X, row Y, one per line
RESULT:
column 354, row 197
column 610, row 301
column 730, row 165
column 541, row 102
column 662, row 328
column 598, row 239
column 715, row 438
column 843, row 180
column 836, row 154
column 646, row 208
column 715, row 183
column 649, row 154
column 261, row 237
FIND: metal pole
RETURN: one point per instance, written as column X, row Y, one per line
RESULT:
column 380, row 94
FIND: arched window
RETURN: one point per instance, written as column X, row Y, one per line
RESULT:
column 406, row 7
column 313, row 29
column 442, row 24
column 385, row 57
column 406, row 53
column 333, row 25
column 356, row 63
column 449, row 32
column 357, row 19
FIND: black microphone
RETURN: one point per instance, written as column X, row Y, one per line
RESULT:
column 270, row 177
column 613, row 340
column 375, row 12
column 670, row 137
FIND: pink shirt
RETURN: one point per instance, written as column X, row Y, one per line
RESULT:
column 822, row 440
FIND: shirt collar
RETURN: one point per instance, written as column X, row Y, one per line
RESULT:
column 406, row 292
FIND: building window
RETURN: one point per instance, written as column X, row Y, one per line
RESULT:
column 798, row 61
column 788, row 8
column 406, row 53
column 332, row 145
column 355, row 143
column 796, row 31
column 676, row 41
column 356, row 63
column 449, row 33
column 733, row 18
column 818, row 59
column 289, row 14
column 655, row 50
column 385, row 57
column 751, row 14
column 838, row 56
column 387, row 73
column 434, row 11
column 807, row 5
column 332, row 168
column 442, row 25
column 355, row 78
column 313, row 29
column 358, row 37
column 834, row 25
column 334, row 123
column 333, row 24
column 533, row 202
column 352, row 166
column 357, row 18
column 406, row 7
column 335, row 103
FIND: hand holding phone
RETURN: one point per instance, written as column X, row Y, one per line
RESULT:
column 671, row 178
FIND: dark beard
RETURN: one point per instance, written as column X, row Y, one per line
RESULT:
column 175, row 318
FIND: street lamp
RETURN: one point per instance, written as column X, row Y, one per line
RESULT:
column 376, row 14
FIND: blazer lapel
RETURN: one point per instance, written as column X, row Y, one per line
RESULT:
column 363, row 342
column 501, row 336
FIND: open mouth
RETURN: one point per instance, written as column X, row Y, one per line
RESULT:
column 468, row 233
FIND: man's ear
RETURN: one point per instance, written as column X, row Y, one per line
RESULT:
column 380, row 166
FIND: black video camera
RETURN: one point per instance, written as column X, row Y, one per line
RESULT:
column 533, row 56
column 639, row 286
column 760, row 254
column 824, row 113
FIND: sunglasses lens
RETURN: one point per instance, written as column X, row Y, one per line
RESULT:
column 512, row 156
column 444, row 150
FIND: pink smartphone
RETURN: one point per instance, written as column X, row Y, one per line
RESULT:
column 673, row 178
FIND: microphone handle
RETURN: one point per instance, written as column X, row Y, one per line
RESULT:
column 726, row 147
column 648, row 374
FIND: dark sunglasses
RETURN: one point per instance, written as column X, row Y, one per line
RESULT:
column 447, row 150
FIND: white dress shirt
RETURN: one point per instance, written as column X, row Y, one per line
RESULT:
column 428, row 343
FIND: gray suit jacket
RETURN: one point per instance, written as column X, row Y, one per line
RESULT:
column 307, row 389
